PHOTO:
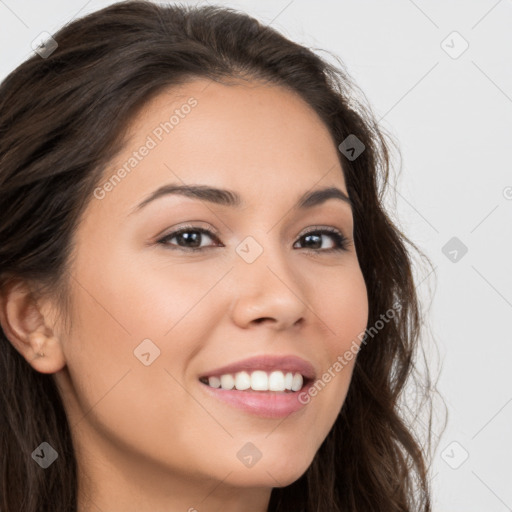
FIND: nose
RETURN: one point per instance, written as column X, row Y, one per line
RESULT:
column 267, row 291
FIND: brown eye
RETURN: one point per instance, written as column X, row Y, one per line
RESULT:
column 188, row 238
column 314, row 240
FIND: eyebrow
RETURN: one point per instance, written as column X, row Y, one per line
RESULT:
column 232, row 199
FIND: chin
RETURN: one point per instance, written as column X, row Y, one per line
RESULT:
column 270, row 473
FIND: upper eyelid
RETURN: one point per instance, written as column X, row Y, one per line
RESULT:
column 213, row 231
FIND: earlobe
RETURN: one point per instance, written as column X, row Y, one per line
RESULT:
column 28, row 330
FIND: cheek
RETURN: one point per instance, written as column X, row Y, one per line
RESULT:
column 115, row 393
column 125, row 317
column 139, row 297
column 344, row 310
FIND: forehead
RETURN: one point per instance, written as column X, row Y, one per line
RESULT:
column 253, row 137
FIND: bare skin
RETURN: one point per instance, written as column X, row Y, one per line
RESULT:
column 149, row 438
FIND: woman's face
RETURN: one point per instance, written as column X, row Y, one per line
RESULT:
column 153, row 311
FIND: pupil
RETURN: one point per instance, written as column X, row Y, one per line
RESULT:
column 317, row 242
column 191, row 236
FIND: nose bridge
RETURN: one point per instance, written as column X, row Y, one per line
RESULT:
column 260, row 256
column 265, row 284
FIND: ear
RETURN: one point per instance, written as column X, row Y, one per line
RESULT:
column 29, row 326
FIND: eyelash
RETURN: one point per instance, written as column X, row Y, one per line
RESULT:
column 341, row 242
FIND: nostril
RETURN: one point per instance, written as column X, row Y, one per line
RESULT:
column 259, row 320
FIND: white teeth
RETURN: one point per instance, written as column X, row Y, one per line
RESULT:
column 214, row 382
column 288, row 379
column 276, row 381
column 227, row 382
column 242, row 381
column 297, row 382
column 258, row 381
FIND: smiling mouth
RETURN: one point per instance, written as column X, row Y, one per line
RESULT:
column 258, row 381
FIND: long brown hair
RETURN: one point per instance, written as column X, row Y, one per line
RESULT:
column 62, row 119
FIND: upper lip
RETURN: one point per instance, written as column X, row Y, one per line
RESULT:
column 285, row 363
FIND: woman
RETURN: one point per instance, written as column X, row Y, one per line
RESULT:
column 204, row 303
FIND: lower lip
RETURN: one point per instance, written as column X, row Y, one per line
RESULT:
column 267, row 404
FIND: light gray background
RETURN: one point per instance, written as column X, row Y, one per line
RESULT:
column 453, row 120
